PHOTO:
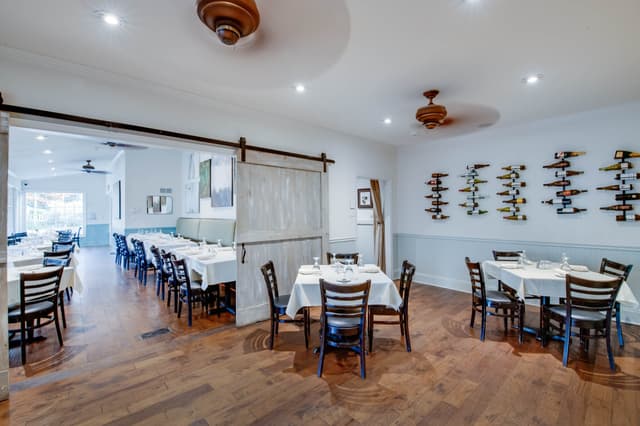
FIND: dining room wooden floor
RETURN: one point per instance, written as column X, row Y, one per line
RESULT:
column 215, row 373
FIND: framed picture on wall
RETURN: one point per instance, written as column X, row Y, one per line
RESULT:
column 221, row 181
column 364, row 198
column 205, row 179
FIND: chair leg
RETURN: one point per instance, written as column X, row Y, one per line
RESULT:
column 23, row 342
column 190, row 310
column 612, row 363
column 55, row 319
column 305, row 313
column 64, row 318
column 484, row 322
column 619, row 325
column 179, row 305
column 323, row 346
column 473, row 316
column 176, row 298
column 505, row 320
column 567, row 342
column 521, row 311
column 407, row 338
column 273, row 332
column 363, row 367
column 370, row 331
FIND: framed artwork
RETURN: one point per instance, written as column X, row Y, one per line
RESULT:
column 364, row 198
column 222, row 181
column 205, row 179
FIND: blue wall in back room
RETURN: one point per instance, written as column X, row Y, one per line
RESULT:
column 95, row 235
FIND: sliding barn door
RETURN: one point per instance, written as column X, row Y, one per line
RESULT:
column 282, row 215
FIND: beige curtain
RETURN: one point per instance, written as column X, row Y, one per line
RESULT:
column 378, row 225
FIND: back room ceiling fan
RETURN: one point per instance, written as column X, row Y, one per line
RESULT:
column 90, row 168
column 113, row 144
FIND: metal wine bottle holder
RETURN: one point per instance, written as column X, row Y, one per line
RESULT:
column 473, row 180
column 565, row 196
column 513, row 192
column 436, row 196
column 624, row 188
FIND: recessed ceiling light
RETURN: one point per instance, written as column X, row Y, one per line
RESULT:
column 50, row 161
column 53, row 169
column 41, row 137
column 47, row 152
column 532, row 79
column 300, row 88
column 387, row 121
column 111, row 19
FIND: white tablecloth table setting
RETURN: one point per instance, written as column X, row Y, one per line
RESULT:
column 69, row 279
column 529, row 280
column 213, row 265
column 164, row 242
column 306, row 289
column 33, row 258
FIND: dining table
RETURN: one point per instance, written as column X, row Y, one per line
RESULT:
column 306, row 288
column 166, row 242
column 70, row 279
column 211, row 264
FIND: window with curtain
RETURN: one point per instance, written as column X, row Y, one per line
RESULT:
column 53, row 211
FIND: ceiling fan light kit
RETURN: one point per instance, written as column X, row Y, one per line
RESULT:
column 229, row 19
column 432, row 115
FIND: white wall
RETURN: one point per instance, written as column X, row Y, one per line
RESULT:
column 44, row 83
column 118, row 173
column 439, row 247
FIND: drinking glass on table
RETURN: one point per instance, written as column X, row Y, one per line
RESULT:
column 316, row 264
column 564, row 262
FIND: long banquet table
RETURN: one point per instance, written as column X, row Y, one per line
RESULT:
column 164, row 242
column 529, row 280
column 306, row 289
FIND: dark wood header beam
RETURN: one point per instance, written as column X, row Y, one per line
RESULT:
column 156, row 132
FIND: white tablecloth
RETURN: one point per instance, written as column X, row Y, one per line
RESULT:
column 213, row 266
column 163, row 241
column 306, row 289
column 529, row 280
column 69, row 279
column 31, row 258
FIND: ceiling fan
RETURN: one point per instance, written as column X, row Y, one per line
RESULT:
column 90, row 168
column 113, row 144
column 434, row 119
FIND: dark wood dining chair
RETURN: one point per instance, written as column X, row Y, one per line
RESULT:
column 406, row 278
column 38, row 302
column 588, row 306
column 482, row 300
column 189, row 292
column 343, row 317
column 63, row 246
column 60, row 254
column 342, row 256
column 76, row 236
column 142, row 263
column 278, row 304
column 615, row 269
column 506, row 256
column 159, row 273
column 56, row 261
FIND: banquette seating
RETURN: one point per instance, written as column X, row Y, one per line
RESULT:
column 210, row 230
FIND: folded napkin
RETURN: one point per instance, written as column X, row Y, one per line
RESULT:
column 307, row 270
column 370, row 269
column 579, row 268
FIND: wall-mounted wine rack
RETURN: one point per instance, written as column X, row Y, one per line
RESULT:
column 625, row 176
column 564, row 198
column 514, row 186
column 436, row 196
column 473, row 180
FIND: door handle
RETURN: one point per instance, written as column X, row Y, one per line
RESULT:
column 244, row 253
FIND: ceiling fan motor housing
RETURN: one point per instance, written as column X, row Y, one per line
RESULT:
column 229, row 19
column 432, row 115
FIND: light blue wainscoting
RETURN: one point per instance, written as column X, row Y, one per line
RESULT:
column 95, row 235
column 439, row 260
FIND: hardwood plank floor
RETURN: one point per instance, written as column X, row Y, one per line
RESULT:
column 215, row 373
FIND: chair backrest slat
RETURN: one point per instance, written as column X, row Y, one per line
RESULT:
column 36, row 287
column 338, row 300
column 615, row 269
column 181, row 273
column 598, row 295
column 342, row 256
column 476, row 277
column 61, row 254
column 406, row 279
column 513, row 255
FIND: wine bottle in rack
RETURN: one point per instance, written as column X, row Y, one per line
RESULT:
column 558, row 165
column 622, row 187
column 476, row 212
column 469, row 189
column 477, row 166
column 469, row 205
column 508, row 192
column 562, row 200
column 515, row 201
column 628, row 217
column 436, row 182
column 509, row 209
column 570, row 210
column 627, row 176
column 470, row 174
column 621, row 155
column 558, row 183
column 475, row 181
column 627, row 197
column 567, row 154
column 515, row 184
column 509, row 176
column 567, row 173
column 623, row 165
column 515, row 167
column 570, row 192
column 618, row 207
column 516, row 217
column 476, row 197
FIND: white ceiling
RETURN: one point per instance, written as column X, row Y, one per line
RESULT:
column 361, row 60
